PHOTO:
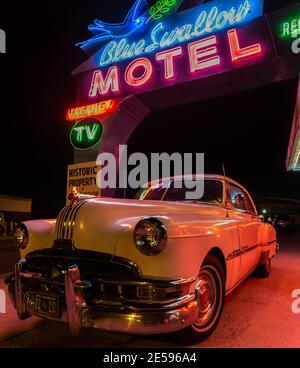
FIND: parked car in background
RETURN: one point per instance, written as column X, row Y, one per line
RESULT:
column 269, row 208
column 151, row 265
column 284, row 223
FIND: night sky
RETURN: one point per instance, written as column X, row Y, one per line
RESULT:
column 248, row 131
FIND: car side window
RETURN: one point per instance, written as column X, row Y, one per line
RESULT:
column 239, row 199
column 250, row 206
column 236, row 198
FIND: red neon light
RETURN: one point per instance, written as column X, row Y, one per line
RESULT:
column 203, row 54
column 100, row 108
column 168, row 58
column 144, row 78
column 238, row 53
column 103, row 86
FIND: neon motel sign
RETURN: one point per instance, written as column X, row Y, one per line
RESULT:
column 204, row 58
column 183, row 46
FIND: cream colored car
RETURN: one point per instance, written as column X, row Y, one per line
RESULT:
column 155, row 264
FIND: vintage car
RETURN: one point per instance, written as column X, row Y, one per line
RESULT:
column 154, row 264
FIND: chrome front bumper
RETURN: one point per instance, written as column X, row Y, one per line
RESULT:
column 141, row 321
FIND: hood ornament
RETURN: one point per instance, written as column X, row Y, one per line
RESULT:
column 74, row 196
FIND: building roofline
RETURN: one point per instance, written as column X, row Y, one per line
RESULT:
column 4, row 196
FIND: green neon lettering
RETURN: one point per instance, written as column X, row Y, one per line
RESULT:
column 291, row 28
column 91, row 133
column 286, row 29
column 79, row 131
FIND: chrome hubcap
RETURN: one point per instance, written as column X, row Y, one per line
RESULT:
column 207, row 295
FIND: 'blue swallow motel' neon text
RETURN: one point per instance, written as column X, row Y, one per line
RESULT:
column 134, row 57
column 200, row 58
column 182, row 27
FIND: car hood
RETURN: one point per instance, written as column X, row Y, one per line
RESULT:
column 98, row 223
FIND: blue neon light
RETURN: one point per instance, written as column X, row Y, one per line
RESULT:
column 114, row 43
column 134, row 22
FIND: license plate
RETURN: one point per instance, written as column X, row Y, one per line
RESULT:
column 45, row 305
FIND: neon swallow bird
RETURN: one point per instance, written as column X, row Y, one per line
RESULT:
column 134, row 22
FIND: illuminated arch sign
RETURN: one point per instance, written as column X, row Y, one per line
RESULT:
column 146, row 52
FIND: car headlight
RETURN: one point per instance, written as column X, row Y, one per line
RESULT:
column 21, row 236
column 150, row 236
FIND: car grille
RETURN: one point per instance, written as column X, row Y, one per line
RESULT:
column 107, row 282
column 113, row 282
column 104, row 273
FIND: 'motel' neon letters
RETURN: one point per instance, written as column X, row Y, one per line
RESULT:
column 202, row 54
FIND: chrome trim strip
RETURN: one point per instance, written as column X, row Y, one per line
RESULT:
column 249, row 249
column 60, row 220
column 240, row 252
column 270, row 243
column 75, row 215
column 66, row 220
column 244, row 250
column 157, row 282
column 70, row 223
column 167, row 305
column 20, row 303
column 233, row 254
column 74, row 299
column 63, row 221
column 163, row 284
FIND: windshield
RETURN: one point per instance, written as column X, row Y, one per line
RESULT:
column 213, row 192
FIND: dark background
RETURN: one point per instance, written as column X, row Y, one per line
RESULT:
column 248, row 131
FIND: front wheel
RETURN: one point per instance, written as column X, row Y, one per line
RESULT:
column 210, row 292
